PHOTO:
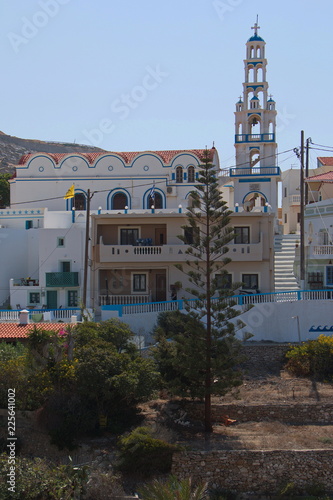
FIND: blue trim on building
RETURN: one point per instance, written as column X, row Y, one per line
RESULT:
column 32, row 159
column 112, row 193
column 145, row 198
column 75, row 156
column 147, row 154
column 257, row 180
column 254, row 192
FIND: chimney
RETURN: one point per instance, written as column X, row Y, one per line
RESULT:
column 24, row 317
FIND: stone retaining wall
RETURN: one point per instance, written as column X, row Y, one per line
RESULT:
column 267, row 358
column 257, row 472
column 291, row 413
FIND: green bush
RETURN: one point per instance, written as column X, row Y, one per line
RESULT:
column 173, row 489
column 37, row 479
column 313, row 358
column 140, row 453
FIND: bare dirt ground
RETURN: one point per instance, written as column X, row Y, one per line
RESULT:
column 274, row 435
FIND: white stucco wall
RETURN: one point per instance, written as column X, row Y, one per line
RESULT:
column 19, row 256
column 276, row 322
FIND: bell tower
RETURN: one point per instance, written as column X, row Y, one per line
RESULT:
column 256, row 175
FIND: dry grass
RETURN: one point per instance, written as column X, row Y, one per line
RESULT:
column 264, row 435
column 283, row 389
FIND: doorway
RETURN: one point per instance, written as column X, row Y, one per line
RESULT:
column 160, row 287
column 52, row 299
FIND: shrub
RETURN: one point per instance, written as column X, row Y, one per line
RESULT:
column 142, row 454
column 37, row 479
column 313, row 358
column 173, row 488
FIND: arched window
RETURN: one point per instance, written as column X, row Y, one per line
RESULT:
column 157, row 200
column 119, row 201
column 190, row 174
column 179, row 174
column 79, row 201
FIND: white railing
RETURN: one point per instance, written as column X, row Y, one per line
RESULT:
column 323, row 250
column 106, row 300
column 295, row 199
column 9, row 316
column 237, row 300
column 151, row 307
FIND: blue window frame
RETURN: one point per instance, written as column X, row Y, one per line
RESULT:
column 329, row 275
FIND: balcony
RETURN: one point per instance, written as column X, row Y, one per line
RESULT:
column 169, row 253
column 321, row 251
column 133, row 253
column 295, row 199
column 253, row 171
column 62, row 280
column 254, row 138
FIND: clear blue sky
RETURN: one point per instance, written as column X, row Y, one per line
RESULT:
column 135, row 75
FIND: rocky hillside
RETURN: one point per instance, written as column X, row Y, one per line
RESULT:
column 12, row 148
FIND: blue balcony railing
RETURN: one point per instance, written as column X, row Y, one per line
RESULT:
column 255, row 138
column 62, row 279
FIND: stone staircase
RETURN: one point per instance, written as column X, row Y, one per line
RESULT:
column 284, row 255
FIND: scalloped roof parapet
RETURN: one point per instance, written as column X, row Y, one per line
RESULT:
column 128, row 157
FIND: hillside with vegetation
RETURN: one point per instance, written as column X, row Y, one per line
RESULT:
column 12, row 148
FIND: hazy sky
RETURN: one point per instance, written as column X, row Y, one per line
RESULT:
column 149, row 75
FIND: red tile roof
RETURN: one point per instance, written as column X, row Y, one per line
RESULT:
column 326, row 160
column 128, row 157
column 13, row 331
column 326, row 177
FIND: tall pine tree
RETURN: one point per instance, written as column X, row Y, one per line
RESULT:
column 207, row 235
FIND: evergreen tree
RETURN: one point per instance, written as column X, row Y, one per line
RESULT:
column 207, row 235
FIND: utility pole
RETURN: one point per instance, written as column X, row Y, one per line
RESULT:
column 302, row 252
column 86, row 250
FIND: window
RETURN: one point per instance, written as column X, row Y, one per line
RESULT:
column 285, row 192
column 191, row 174
column 72, row 298
column 190, row 233
column 65, row 267
column 242, row 235
column 34, row 298
column 223, row 281
column 128, row 236
column 179, row 174
column 119, row 201
column 79, row 201
column 139, row 282
column 329, row 275
column 298, row 217
column 28, row 224
column 61, row 242
column 250, row 281
column 285, row 218
column 323, row 237
column 157, row 201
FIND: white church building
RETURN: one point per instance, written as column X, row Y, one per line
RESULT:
column 133, row 243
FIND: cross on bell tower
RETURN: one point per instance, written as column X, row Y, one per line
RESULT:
column 256, row 27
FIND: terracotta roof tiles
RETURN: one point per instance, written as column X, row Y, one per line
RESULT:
column 326, row 177
column 128, row 157
column 326, row 160
column 13, row 331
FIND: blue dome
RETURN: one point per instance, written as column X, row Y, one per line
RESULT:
column 256, row 38
column 254, row 98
